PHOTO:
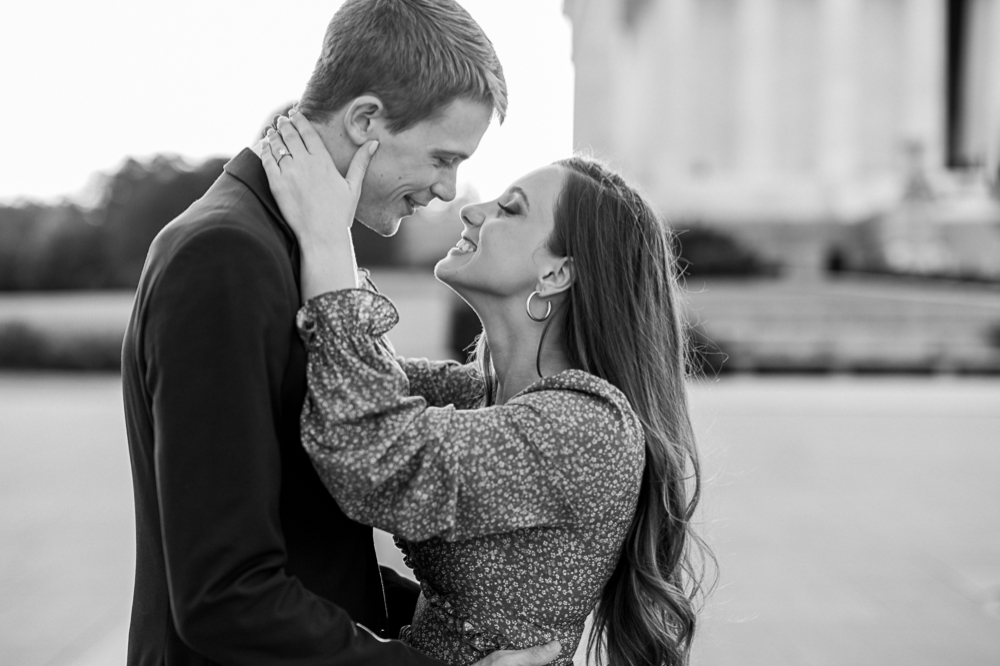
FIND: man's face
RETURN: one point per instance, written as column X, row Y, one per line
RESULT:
column 419, row 164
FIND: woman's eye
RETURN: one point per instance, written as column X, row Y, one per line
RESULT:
column 506, row 209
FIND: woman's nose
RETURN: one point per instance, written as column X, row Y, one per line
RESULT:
column 473, row 214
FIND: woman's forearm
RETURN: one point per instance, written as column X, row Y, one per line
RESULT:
column 328, row 265
column 418, row 471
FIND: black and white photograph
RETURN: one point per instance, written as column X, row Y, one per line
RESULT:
column 500, row 333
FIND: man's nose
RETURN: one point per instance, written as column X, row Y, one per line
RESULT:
column 444, row 189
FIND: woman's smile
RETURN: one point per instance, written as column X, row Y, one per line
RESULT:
column 498, row 248
column 464, row 246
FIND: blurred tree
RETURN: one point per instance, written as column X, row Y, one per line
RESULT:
column 16, row 223
column 703, row 251
column 64, row 246
column 50, row 247
column 71, row 252
column 21, row 346
column 140, row 199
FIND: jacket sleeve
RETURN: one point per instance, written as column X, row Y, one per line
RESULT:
column 216, row 340
column 421, row 472
column 400, row 599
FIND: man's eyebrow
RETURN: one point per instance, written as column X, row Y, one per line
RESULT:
column 450, row 154
column 518, row 190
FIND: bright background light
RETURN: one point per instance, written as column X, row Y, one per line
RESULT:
column 85, row 84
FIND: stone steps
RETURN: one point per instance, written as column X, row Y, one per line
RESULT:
column 850, row 325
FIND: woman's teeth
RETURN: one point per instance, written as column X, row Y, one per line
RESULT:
column 465, row 245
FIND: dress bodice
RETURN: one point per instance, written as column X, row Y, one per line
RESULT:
column 512, row 516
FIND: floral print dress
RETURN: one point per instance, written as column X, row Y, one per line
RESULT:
column 512, row 517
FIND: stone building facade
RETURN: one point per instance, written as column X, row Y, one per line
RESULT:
column 789, row 120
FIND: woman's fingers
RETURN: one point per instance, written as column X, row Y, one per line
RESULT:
column 271, row 168
column 267, row 158
column 308, row 188
column 291, row 137
column 310, row 137
column 359, row 166
column 277, row 147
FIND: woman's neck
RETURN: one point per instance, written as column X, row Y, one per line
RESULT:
column 514, row 348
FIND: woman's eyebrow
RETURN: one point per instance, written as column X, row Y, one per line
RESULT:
column 518, row 190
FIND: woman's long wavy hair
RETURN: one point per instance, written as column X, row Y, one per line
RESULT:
column 622, row 322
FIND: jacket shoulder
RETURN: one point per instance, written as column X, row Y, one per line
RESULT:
column 227, row 221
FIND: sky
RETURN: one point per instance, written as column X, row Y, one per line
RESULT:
column 83, row 85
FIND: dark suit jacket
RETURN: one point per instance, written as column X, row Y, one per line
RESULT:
column 242, row 555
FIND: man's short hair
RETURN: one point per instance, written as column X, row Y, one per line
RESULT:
column 415, row 55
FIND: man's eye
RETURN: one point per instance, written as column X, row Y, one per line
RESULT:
column 442, row 162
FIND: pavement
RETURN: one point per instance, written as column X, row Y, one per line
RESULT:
column 67, row 543
column 856, row 521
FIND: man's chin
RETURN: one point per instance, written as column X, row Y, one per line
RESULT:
column 383, row 226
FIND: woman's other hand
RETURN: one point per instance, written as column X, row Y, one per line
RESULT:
column 316, row 201
column 536, row 656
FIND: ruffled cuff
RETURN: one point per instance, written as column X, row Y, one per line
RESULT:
column 349, row 312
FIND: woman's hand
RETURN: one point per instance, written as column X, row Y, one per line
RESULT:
column 536, row 656
column 316, row 201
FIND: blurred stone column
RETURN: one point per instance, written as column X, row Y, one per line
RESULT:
column 756, row 137
column 924, row 78
column 677, row 92
column 838, row 141
column 594, row 29
column 838, row 130
column 993, row 90
column 975, row 126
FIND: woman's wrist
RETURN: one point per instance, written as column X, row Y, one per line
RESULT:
column 333, row 240
column 328, row 264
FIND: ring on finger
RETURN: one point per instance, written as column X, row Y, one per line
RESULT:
column 283, row 153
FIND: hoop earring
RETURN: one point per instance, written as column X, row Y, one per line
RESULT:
column 548, row 308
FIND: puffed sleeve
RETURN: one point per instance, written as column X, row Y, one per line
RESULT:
column 417, row 471
column 443, row 383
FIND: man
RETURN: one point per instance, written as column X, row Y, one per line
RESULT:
column 242, row 556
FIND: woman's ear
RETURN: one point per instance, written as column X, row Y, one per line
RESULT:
column 556, row 277
column 364, row 119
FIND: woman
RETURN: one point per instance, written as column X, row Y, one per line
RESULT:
column 557, row 473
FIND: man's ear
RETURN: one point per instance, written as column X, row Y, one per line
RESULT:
column 556, row 276
column 364, row 119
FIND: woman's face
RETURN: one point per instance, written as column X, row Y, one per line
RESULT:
column 503, row 250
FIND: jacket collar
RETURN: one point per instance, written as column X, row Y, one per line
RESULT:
column 248, row 169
